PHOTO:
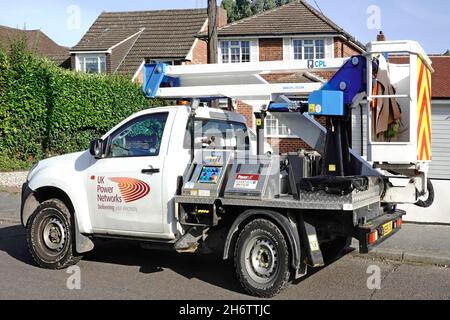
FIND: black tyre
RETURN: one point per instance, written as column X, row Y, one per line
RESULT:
column 428, row 199
column 261, row 259
column 50, row 236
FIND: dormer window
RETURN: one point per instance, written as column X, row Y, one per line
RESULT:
column 91, row 63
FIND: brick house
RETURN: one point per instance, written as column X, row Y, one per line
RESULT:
column 294, row 31
column 120, row 42
column 38, row 42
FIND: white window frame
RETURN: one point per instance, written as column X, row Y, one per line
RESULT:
column 81, row 61
column 277, row 127
column 168, row 62
column 230, row 47
column 314, row 46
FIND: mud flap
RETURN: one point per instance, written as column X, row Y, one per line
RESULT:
column 311, row 246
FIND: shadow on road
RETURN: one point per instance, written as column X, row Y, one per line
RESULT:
column 208, row 268
column 13, row 241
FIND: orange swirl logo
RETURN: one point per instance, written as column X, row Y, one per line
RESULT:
column 131, row 189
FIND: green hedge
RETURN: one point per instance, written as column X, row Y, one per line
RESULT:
column 45, row 110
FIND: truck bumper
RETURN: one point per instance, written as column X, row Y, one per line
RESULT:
column 376, row 231
column 26, row 192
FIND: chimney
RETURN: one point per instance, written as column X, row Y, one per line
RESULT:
column 381, row 37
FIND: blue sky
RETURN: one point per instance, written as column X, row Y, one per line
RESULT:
column 425, row 21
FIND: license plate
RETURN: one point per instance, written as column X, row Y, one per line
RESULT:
column 387, row 228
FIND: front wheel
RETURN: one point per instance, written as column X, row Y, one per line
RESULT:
column 50, row 236
column 261, row 259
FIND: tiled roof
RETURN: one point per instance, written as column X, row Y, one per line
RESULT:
column 294, row 18
column 440, row 83
column 166, row 34
column 440, row 79
column 36, row 41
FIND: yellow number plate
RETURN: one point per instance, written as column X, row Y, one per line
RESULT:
column 387, row 228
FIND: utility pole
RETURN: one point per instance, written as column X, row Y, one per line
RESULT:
column 213, row 41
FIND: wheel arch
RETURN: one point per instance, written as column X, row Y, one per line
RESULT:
column 31, row 201
column 286, row 225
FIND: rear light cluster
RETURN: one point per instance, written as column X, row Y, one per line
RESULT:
column 373, row 237
column 376, row 234
column 398, row 223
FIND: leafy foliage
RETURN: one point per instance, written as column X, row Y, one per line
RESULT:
column 45, row 110
column 240, row 9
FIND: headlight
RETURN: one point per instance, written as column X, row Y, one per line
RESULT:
column 31, row 170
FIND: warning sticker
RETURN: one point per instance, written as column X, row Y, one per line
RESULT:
column 246, row 181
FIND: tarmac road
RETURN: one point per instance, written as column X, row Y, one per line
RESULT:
column 122, row 270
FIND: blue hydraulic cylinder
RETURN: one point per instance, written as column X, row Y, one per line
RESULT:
column 155, row 77
column 340, row 91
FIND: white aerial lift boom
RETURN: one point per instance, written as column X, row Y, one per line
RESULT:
column 404, row 156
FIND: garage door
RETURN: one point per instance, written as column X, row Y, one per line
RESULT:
column 440, row 166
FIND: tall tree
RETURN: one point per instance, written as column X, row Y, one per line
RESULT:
column 240, row 9
column 230, row 7
column 244, row 8
column 270, row 4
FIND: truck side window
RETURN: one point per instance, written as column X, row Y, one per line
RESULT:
column 217, row 134
column 139, row 138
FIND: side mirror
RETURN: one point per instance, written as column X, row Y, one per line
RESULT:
column 96, row 148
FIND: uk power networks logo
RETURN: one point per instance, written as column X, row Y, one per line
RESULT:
column 131, row 189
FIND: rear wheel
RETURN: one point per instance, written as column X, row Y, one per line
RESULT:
column 261, row 259
column 50, row 236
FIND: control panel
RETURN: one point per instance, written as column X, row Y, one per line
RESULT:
column 207, row 173
column 210, row 174
column 254, row 178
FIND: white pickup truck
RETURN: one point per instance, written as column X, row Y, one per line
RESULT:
column 185, row 178
column 137, row 183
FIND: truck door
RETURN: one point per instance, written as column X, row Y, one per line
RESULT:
column 125, row 188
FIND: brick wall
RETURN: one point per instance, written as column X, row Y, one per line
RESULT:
column 222, row 17
column 200, row 53
column 73, row 63
column 285, row 145
column 247, row 111
column 271, row 49
column 344, row 49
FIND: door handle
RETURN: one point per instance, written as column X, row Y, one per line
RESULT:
column 150, row 171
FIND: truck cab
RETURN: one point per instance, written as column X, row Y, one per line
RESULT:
column 124, row 185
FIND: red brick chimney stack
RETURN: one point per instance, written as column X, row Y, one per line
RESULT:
column 381, row 36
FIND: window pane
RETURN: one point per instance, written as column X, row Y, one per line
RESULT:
column 91, row 64
column 235, row 55
column 308, row 43
column 245, row 47
column 320, row 49
column 141, row 137
column 102, row 64
column 309, row 52
column 235, row 43
column 225, row 47
column 298, row 50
